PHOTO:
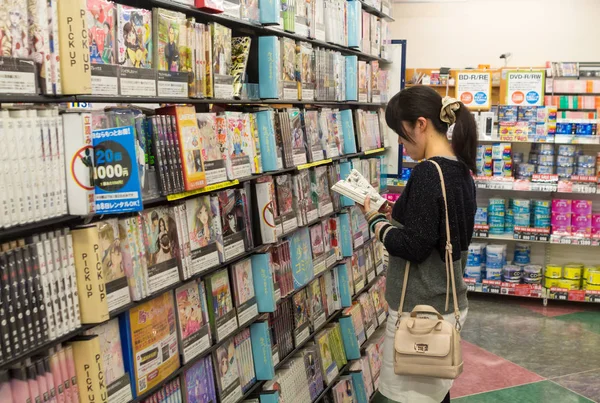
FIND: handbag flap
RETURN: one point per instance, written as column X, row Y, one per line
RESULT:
column 434, row 343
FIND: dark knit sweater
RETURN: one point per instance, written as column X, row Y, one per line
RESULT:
column 418, row 234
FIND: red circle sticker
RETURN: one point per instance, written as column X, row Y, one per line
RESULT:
column 83, row 160
column 466, row 98
column 518, row 97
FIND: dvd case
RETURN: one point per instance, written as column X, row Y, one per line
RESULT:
column 160, row 240
column 193, row 328
column 117, row 290
column 221, row 312
column 199, row 382
column 226, row 367
column 285, row 203
column 214, row 164
column 134, row 37
column 221, row 61
column 233, row 224
column 101, row 16
column 245, row 297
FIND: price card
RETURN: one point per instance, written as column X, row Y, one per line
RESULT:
column 561, row 294
column 532, row 234
column 576, row 295
column 592, row 296
column 471, row 284
column 521, row 184
column 481, row 231
column 491, row 286
column 116, row 176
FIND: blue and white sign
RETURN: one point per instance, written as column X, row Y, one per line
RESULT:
column 116, row 174
column 474, row 89
column 525, row 88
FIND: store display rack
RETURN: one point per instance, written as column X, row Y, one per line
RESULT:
column 24, row 230
column 80, row 99
column 374, row 11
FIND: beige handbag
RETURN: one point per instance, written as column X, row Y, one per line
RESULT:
column 430, row 347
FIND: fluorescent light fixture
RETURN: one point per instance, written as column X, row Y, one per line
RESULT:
column 429, row 1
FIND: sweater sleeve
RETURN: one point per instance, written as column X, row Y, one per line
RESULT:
column 420, row 233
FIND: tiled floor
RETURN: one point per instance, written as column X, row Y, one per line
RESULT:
column 518, row 351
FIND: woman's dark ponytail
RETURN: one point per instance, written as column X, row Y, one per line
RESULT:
column 421, row 101
column 464, row 137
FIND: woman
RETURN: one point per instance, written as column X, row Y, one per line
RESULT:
column 417, row 233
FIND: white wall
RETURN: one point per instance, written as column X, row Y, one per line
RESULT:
column 464, row 34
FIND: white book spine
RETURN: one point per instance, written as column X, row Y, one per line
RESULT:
column 46, row 290
column 73, row 280
column 5, row 177
column 78, row 162
column 61, row 178
column 35, row 164
column 64, row 259
column 54, row 289
column 55, row 50
column 45, row 165
column 18, row 169
column 60, row 279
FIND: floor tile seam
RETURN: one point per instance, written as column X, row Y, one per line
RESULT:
column 572, row 391
column 574, row 373
column 507, row 387
column 509, row 361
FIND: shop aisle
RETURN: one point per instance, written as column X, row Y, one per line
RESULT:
column 519, row 351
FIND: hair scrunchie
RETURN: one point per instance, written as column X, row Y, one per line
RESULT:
column 449, row 107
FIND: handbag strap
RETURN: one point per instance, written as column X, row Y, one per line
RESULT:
column 450, row 279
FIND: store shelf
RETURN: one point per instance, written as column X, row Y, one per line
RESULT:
column 557, row 139
column 42, row 348
column 554, row 240
column 374, row 11
column 18, row 231
column 191, row 363
column 243, row 26
column 578, row 109
column 43, row 99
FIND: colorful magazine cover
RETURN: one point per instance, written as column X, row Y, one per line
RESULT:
column 288, row 71
column 316, row 240
column 313, row 136
column 203, row 222
column 328, row 366
column 238, row 137
column 233, row 223
column 134, row 37
column 169, row 25
column 315, row 299
column 13, row 30
column 221, row 61
column 307, row 71
column 101, row 31
column 220, row 291
column 227, row 369
column 244, row 286
column 200, row 382
column 298, row 147
column 300, row 308
column 162, row 247
column 189, row 310
column 343, row 392
column 240, row 50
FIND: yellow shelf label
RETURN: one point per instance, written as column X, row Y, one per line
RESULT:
column 206, row 189
column 375, row 151
column 314, row 164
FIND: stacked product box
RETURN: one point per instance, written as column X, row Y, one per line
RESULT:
column 528, row 122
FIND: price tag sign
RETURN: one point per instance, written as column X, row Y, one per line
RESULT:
column 481, row 231
column 576, row 295
column 592, row 296
column 525, row 88
column 559, row 293
column 471, row 284
column 532, row 234
column 492, row 286
column 474, row 89
column 116, row 176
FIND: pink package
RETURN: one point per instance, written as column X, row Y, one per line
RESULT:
column 581, row 207
column 561, row 206
column 596, row 224
column 581, row 224
column 561, row 223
